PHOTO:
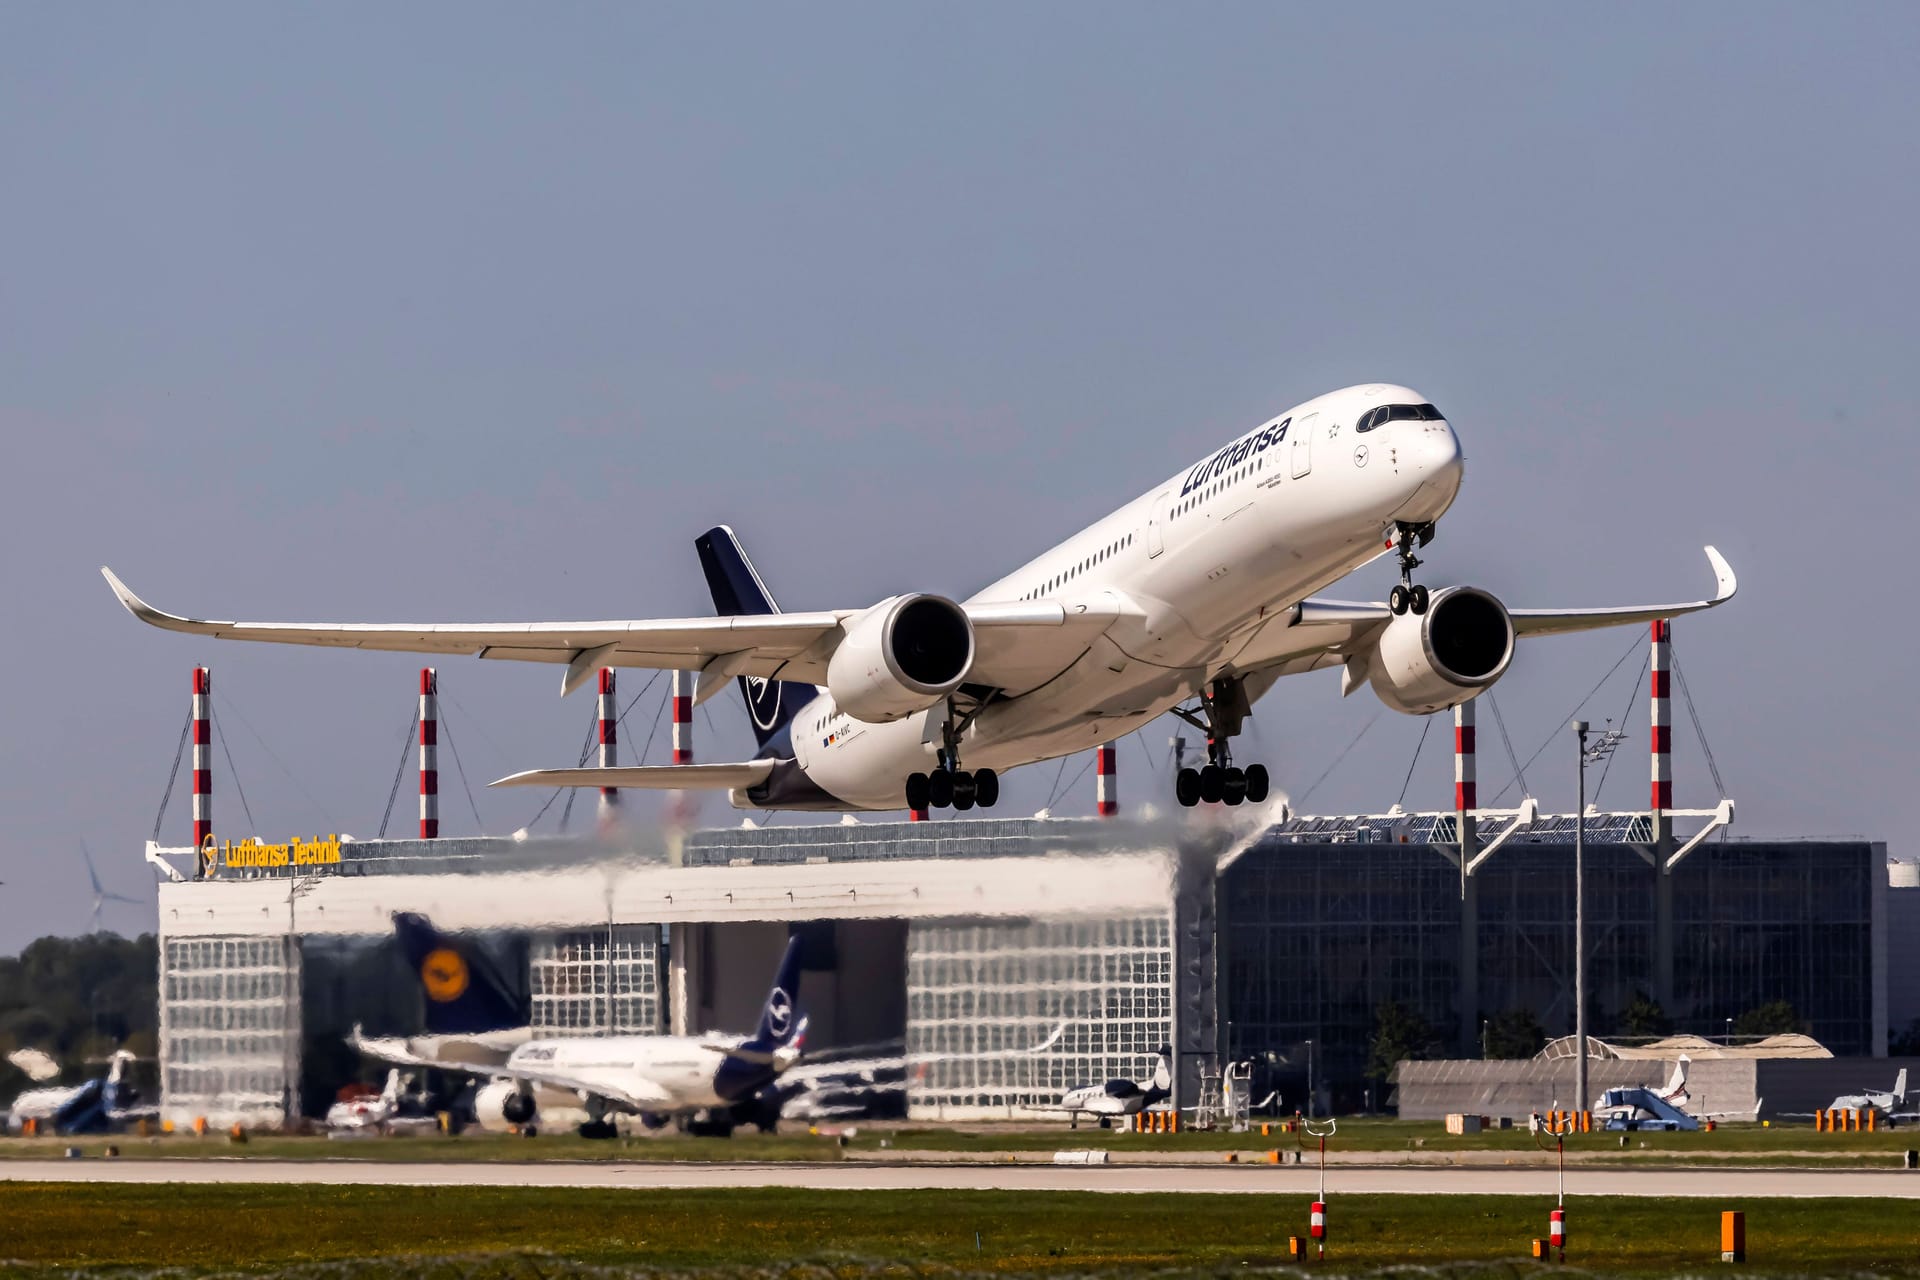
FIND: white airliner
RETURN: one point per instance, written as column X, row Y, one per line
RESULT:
column 703, row 1081
column 1193, row 598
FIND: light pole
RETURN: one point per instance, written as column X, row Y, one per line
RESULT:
column 1580, row 926
column 1309, row 1079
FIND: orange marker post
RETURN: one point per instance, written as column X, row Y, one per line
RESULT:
column 1733, row 1236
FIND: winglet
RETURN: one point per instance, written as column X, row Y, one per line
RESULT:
column 153, row 617
column 1724, row 583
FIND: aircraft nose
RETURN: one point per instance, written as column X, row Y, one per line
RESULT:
column 1431, row 457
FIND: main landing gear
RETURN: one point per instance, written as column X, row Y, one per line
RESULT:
column 953, row 788
column 1405, row 597
column 950, row 786
column 1223, row 710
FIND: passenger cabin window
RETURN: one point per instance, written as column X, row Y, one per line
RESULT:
column 1383, row 414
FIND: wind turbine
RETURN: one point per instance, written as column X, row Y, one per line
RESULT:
column 101, row 895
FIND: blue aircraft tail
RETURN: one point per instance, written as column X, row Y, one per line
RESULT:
column 780, row 1019
column 465, row 992
column 737, row 589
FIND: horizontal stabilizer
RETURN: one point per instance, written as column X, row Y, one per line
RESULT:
column 648, row 777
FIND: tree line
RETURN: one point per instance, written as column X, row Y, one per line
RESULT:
column 78, row 999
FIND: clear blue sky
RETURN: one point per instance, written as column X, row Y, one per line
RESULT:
column 474, row 312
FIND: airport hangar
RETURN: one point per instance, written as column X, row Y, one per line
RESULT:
column 983, row 935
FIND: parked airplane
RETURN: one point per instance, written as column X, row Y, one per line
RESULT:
column 1116, row 1098
column 1194, row 598
column 401, row 1106
column 706, row 1082
column 99, row 1105
column 1891, row 1104
column 1635, row 1108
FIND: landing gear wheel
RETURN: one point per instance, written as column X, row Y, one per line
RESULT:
column 1234, row 787
column 963, row 792
column 918, row 792
column 939, row 788
column 986, row 788
column 1186, row 788
column 598, row 1129
column 1256, row 783
column 1213, row 783
column 1399, row 600
column 1417, row 600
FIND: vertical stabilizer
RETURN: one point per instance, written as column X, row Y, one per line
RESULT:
column 737, row 589
column 780, row 1019
column 465, row 993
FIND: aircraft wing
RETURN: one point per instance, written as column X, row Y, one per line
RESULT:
column 1017, row 645
column 806, row 1070
column 1324, row 633
column 662, row 777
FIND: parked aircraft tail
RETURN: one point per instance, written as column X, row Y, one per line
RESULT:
column 1161, row 1085
column 781, row 1024
column 465, row 992
column 1900, row 1088
column 1675, row 1090
column 737, row 589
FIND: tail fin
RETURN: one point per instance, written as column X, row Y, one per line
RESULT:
column 780, row 1020
column 737, row 589
column 1162, row 1082
column 1900, row 1086
column 465, row 991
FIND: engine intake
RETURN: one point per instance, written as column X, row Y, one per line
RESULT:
column 901, row 656
column 1428, row 662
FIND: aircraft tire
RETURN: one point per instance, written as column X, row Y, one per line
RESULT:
column 1398, row 600
column 1258, row 784
column 1186, row 788
column 986, row 788
column 918, row 791
column 1417, row 600
column 1213, row 784
column 963, row 791
column 1233, row 788
column 940, row 789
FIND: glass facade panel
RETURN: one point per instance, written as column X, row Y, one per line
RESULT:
column 997, row 988
column 228, row 1025
column 596, row 981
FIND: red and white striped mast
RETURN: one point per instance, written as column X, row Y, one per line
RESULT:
column 1661, row 744
column 1106, row 791
column 609, row 744
column 203, row 772
column 680, row 806
column 429, row 754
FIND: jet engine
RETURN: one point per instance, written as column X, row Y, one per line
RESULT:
column 1430, row 661
column 901, row 656
column 501, row 1105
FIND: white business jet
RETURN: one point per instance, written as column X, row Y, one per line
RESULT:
column 1193, row 598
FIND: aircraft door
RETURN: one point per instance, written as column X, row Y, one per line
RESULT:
column 1303, row 444
column 1155, row 514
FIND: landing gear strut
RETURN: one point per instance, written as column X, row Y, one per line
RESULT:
column 1406, row 597
column 950, row 786
column 1223, row 710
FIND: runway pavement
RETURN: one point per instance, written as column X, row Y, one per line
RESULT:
column 854, row 1176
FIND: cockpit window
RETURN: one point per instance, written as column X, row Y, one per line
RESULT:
column 1383, row 414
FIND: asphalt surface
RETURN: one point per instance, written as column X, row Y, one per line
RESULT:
column 1003, row 1177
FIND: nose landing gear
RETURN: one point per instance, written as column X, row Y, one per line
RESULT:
column 1406, row 597
column 1223, row 709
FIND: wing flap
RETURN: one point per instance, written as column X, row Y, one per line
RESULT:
column 648, row 777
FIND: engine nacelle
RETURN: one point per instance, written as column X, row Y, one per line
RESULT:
column 1438, row 659
column 500, row 1106
column 901, row 656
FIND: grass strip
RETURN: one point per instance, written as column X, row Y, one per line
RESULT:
column 45, row 1227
